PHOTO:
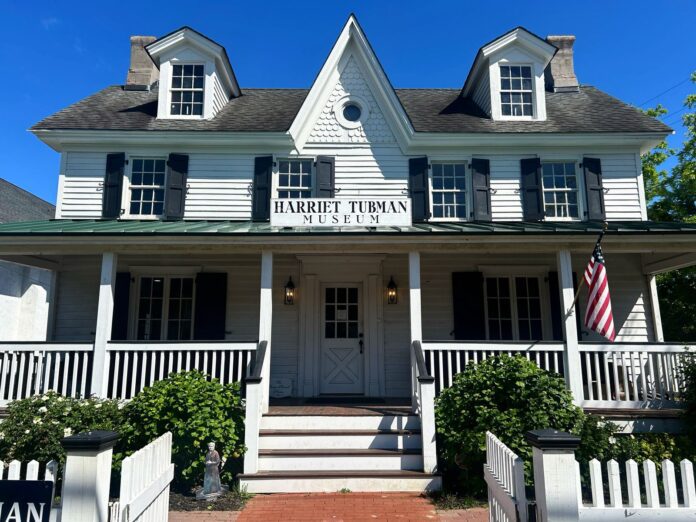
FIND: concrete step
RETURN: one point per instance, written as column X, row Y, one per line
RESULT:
column 340, row 422
column 340, row 459
column 332, row 481
column 340, row 439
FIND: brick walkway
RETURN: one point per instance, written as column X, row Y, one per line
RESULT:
column 335, row 507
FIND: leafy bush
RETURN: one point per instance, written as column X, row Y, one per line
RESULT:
column 196, row 411
column 507, row 396
column 34, row 426
column 690, row 396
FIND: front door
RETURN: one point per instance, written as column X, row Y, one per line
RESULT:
column 342, row 358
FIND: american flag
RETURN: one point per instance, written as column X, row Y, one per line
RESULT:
column 598, row 316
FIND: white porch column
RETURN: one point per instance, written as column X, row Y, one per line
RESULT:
column 571, row 355
column 102, row 334
column 655, row 309
column 414, row 303
column 266, row 322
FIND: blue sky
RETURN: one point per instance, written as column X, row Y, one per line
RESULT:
column 59, row 52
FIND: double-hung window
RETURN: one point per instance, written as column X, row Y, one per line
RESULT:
column 513, row 308
column 516, row 90
column 449, row 191
column 294, row 178
column 165, row 308
column 187, row 90
column 147, row 184
column 560, row 184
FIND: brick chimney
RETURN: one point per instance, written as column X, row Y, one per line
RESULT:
column 560, row 73
column 142, row 72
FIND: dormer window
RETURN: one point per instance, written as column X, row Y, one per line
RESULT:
column 187, row 90
column 516, row 90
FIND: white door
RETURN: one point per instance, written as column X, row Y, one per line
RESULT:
column 341, row 340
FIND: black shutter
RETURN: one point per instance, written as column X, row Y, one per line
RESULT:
column 326, row 176
column 175, row 196
column 418, row 188
column 211, row 306
column 557, row 312
column 119, row 323
column 113, row 185
column 592, row 168
column 532, row 193
column 481, row 185
column 467, row 303
column 261, row 198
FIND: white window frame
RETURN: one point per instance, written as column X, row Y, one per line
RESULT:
column 579, row 178
column 170, row 90
column 127, row 188
column 543, row 298
column 167, row 274
column 276, row 175
column 467, row 189
column 532, row 92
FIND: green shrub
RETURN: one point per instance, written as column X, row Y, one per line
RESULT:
column 34, row 426
column 196, row 411
column 508, row 396
column 689, row 416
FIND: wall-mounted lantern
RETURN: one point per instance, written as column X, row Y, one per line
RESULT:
column 289, row 292
column 392, row 296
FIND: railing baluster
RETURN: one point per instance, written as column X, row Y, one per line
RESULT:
column 588, row 372
column 634, row 376
column 643, row 379
column 598, row 377
column 20, row 376
column 607, row 377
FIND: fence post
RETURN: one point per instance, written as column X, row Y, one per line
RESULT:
column 87, row 476
column 555, row 481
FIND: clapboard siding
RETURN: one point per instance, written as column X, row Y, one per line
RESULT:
column 83, row 177
column 397, row 334
column 482, row 93
column 632, row 316
column 76, row 300
column 285, row 332
column 219, row 185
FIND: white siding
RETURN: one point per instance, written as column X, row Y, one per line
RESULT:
column 286, row 319
column 397, row 334
column 77, row 296
column 220, row 95
column 219, row 186
column 81, row 196
column 620, row 176
column 482, row 92
column 506, row 199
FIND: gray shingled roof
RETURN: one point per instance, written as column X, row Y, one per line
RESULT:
column 430, row 110
column 18, row 205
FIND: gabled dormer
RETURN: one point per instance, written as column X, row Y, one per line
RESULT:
column 196, row 79
column 507, row 78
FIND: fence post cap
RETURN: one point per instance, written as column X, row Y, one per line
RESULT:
column 549, row 439
column 96, row 440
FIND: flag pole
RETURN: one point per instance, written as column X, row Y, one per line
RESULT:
column 605, row 226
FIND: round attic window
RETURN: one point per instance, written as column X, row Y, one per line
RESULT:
column 351, row 112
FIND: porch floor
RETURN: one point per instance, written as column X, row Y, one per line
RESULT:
column 339, row 406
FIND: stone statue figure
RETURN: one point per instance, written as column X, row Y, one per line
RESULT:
column 211, row 480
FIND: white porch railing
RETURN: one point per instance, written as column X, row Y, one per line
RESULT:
column 633, row 375
column 504, row 475
column 445, row 360
column 28, row 369
column 423, row 396
column 617, row 375
column 256, row 405
column 135, row 365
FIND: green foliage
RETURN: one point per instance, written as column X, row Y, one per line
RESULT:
column 690, row 398
column 34, row 426
column 677, row 295
column 507, row 396
column 655, row 177
column 196, row 411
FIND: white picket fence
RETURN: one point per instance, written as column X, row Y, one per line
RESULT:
column 558, row 490
column 504, row 475
column 17, row 471
column 145, row 479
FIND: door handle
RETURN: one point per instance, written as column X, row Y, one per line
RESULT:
column 361, row 343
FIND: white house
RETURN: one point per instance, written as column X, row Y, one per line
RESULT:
column 346, row 249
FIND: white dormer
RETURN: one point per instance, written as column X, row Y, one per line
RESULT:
column 507, row 78
column 196, row 79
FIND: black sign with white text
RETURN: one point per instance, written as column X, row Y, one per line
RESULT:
column 25, row 500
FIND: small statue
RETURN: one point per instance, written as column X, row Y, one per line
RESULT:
column 211, row 480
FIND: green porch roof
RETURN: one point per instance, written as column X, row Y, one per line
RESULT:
column 67, row 227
